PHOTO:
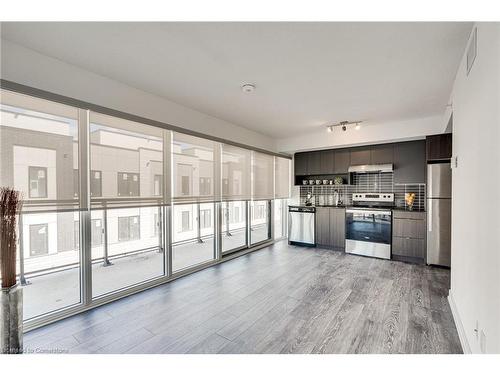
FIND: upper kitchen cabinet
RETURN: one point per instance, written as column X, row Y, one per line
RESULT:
column 438, row 147
column 409, row 162
column 383, row 154
column 361, row 156
column 314, row 163
column 327, row 162
column 300, row 163
column 342, row 161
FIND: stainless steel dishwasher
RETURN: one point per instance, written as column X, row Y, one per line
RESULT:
column 301, row 221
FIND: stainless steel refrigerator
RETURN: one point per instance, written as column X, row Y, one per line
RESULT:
column 439, row 214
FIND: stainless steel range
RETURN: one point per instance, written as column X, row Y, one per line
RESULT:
column 369, row 225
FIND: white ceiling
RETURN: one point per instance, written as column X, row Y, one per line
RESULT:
column 307, row 74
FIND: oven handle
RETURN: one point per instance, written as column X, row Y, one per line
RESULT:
column 369, row 212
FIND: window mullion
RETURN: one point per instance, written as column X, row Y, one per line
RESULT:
column 84, row 205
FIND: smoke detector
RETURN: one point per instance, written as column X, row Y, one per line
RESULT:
column 247, row 87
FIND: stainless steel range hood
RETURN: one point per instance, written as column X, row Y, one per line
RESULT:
column 367, row 168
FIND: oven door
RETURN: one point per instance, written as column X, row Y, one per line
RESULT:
column 369, row 232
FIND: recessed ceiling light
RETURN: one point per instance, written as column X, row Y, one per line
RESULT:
column 247, row 87
column 357, row 127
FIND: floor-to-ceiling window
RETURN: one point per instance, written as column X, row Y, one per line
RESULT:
column 236, row 192
column 127, row 204
column 134, row 204
column 262, row 174
column 282, row 181
column 39, row 157
column 193, row 190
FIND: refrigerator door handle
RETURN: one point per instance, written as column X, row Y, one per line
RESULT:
column 429, row 214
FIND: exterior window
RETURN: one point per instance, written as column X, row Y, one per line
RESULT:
column 205, row 188
column 96, row 183
column 38, row 182
column 235, row 217
column 186, row 221
column 76, row 234
column 39, row 239
column 76, row 180
column 156, row 225
column 157, row 185
column 185, row 185
column 128, row 184
column 129, row 228
column 225, row 186
column 259, row 212
column 96, row 232
column 205, row 218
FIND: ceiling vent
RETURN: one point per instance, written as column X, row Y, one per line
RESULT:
column 472, row 50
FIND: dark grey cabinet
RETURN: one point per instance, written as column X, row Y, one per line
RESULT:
column 327, row 164
column 330, row 227
column 409, row 162
column 314, row 163
column 361, row 156
column 323, row 226
column 300, row 163
column 383, row 154
column 410, row 248
column 342, row 161
column 439, row 147
column 408, row 235
column 337, row 227
column 408, row 158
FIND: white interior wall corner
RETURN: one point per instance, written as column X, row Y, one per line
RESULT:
column 475, row 261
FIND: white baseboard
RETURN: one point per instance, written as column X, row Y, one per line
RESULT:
column 459, row 325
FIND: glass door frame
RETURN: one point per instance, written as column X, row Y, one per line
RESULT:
column 247, row 232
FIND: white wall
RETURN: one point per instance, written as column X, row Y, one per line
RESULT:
column 370, row 133
column 475, row 261
column 31, row 68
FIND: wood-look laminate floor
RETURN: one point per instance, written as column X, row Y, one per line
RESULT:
column 281, row 299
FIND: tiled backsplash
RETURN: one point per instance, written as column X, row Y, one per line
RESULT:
column 377, row 182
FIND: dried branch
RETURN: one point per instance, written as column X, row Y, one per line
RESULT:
column 10, row 206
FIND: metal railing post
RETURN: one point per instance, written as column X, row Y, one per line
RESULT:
column 160, row 230
column 22, row 278
column 106, row 261
column 199, row 223
column 226, row 213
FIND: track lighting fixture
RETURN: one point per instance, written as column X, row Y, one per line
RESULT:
column 344, row 125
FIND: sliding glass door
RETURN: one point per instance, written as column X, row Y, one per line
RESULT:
column 282, row 182
column 193, row 187
column 127, row 248
column 260, row 227
column 127, row 216
column 234, row 226
column 193, row 235
column 235, row 194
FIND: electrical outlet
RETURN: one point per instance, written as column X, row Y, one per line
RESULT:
column 482, row 342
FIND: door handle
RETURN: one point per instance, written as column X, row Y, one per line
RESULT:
column 429, row 215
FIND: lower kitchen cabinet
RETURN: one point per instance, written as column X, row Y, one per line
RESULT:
column 408, row 247
column 408, row 236
column 330, row 227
